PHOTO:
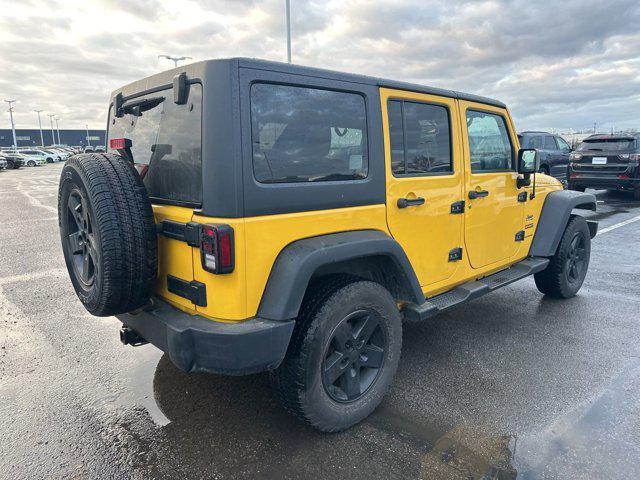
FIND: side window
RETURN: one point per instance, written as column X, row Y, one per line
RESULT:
column 307, row 135
column 536, row 142
column 562, row 145
column 420, row 138
column 396, row 135
column 549, row 143
column 490, row 147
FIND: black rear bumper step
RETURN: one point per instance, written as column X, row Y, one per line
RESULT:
column 198, row 344
column 471, row 290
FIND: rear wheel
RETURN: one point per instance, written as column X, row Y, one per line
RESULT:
column 567, row 269
column 31, row 163
column 343, row 354
column 107, row 232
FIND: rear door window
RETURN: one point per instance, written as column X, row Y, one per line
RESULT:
column 549, row 143
column 536, row 142
column 166, row 144
column 420, row 138
column 307, row 134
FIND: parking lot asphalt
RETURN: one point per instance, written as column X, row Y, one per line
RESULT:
column 511, row 385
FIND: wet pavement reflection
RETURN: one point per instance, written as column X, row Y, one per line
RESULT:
column 234, row 426
column 230, row 427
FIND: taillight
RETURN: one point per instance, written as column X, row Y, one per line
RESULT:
column 119, row 143
column 216, row 248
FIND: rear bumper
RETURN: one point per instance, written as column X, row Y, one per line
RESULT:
column 197, row 344
column 604, row 181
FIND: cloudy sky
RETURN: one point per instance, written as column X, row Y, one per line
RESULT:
column 556, row 64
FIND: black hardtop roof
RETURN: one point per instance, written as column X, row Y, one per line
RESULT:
column 198, row 69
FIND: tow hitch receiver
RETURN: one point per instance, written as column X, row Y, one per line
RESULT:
column 128, row 336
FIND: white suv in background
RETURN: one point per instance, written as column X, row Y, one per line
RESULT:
column 49, row 157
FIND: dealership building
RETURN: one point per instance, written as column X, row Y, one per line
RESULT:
column 31, row 137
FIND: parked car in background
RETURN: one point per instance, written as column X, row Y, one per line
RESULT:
column 12, row 163
column 63, row 154
column 14, row 160
column 607, row 161
column 48, row 157
column 553, row 152
column 99, row 148
column 88, row 149
column 57, row 156
column 3, row 163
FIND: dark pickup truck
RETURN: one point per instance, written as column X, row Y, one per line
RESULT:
column 606, row 162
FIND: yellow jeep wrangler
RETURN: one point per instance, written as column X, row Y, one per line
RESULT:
column 255, row 216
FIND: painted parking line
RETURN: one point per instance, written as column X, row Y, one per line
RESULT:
column 618, row 225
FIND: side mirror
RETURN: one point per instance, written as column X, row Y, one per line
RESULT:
column 528, row 161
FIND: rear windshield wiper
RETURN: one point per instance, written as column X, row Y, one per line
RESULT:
column 137, row 106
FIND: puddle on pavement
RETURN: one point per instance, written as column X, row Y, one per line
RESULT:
column 225, row 415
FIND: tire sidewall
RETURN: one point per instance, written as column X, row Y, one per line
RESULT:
column 576, row 226
column 357, row 296
column 71, row 179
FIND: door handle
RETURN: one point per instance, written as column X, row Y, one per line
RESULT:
column 410, row 202
column 478, row 193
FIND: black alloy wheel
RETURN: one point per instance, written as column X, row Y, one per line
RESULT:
column 353, row 356
column 576, row 258
column 81, row 239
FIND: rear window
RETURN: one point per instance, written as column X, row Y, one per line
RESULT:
column 166, row 144
column 307, row 134
column 612, row 144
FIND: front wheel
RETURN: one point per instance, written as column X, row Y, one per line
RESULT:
column 343, row 354
column 31, row 163
column 567, row 269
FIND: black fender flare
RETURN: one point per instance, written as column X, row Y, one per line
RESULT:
column 298, row 261
column 554, row 217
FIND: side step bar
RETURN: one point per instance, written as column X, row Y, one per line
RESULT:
column 471, row 290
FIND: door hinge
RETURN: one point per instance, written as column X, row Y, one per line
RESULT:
column 455, row 254
column 520, row 236
column 522, row 197
column 193, row 290
column 457, row 207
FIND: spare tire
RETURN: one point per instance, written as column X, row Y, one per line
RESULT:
column 108, row 233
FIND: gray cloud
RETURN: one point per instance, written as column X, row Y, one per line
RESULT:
column 562, row 65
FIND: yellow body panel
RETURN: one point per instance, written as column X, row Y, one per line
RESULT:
column 492, row 222
column 174, row 257
column 485, row 231
column 427, row 232
column 266, row 236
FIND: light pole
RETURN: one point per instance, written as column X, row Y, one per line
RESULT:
column 88, row 141
column 40, row 125
column 13, row 127
column 53, row 136
column 175, row 59
column 288, row 12
column 58, row 129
